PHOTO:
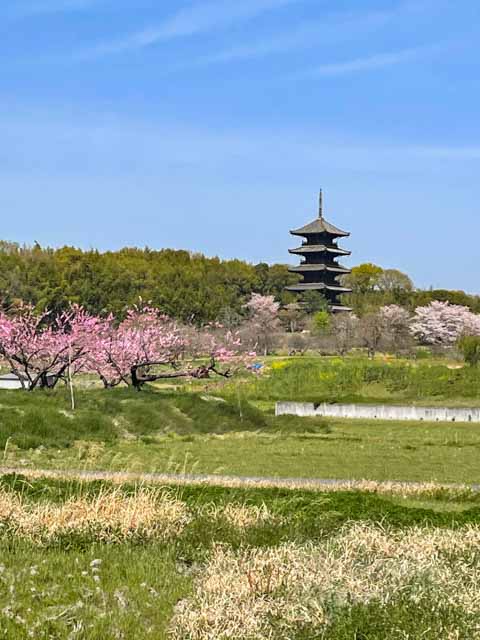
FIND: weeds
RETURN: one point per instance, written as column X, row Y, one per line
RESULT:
column 113, row 515
column 274, row 594
column 339, row 379
column 110, row 516
column 97, row 560
column 104, row 592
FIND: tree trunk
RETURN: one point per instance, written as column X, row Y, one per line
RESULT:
column 136, row 382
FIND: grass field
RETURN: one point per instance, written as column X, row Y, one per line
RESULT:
column 385, row 380
column 89, row 560
column 337, row 449
column 96, row 561
column 230, row 428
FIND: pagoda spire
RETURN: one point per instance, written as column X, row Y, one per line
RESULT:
column 320, row 205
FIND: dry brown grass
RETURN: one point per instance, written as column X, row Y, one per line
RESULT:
column 425, row 489
column 241, row 516
column 269, row 594
column 110, row 516
column 116, row 516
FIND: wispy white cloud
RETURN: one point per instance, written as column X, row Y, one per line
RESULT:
column 204, row 17
column 332, row 29
column 201, row 17
column 65, row 141
column 373, row 62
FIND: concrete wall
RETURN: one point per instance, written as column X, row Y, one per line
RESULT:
column 379, row 412
column 10, row 383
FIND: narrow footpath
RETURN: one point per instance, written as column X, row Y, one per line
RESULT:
column 308, row 484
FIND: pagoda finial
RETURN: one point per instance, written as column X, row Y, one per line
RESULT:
column 320, row 205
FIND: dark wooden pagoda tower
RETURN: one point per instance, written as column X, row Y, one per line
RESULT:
column 319, row 266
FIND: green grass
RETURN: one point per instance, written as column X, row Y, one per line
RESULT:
column 56, row 593
column 44, row 418
column 308, row 515
column 361, row 380
column 289, row 447
column 229, row 428
column 105, row 591
column 400, row 619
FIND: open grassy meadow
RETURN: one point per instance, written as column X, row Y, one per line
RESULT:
column 307, row 449
column 230, row 428
column 93, row 559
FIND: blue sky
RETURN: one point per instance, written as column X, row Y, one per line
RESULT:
column 211, row 124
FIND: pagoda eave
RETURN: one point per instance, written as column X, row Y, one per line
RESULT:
column 309, row 268
column 320, row 226
column 336, row 308
column 304, row 233
column 319, row 267
column 316, row 286
column 317, row 248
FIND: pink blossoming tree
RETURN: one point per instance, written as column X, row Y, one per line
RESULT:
column 40, row 349
column 264, row 320
column 148, row 346
column 441, row 323
column 395, row 322
column 144, row 347
column 127, row 352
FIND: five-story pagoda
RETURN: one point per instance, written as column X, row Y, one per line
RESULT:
column 319, row 266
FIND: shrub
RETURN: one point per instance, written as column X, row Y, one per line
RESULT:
column 345, row 380
column 321, row 322
column 470, row 348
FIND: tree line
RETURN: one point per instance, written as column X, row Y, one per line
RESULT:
column 189, row 287
column 374, row 287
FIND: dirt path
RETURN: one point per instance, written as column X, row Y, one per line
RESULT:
column 310, row 484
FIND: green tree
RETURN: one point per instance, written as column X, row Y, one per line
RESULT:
column 314, row 301
column 292, row 316
column 188, row 286
column 393, row 280
column 321, row 322
column 469, row 347
column 364, row 279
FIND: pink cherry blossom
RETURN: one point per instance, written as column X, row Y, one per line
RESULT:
column 443, row 323
column 40, row 349
column 145, row 346
column 264, row 321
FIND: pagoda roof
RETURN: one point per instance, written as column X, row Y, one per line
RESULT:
column 317, row 286
column 337, row 268
column 319, row 248
column 338, row 307
column 318, row 226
